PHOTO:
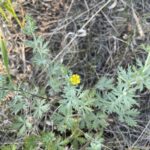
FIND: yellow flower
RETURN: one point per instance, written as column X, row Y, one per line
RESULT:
column 75, row 79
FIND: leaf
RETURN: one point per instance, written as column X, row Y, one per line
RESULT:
column 3, row 14
column 96, row 144
column 145, row 47
column 104, row 84
column 147, row 83
column 21, row 124
column 55, row 85
column 18, row 104
column 30, row 25
column 22, row 130
column 40, row 107
column 5, row 55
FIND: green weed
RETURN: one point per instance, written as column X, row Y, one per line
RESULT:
column 75, row 115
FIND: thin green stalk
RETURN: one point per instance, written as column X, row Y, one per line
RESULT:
column 5, row 56
column 8, row 6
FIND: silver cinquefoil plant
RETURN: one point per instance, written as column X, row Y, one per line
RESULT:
column 78, row 111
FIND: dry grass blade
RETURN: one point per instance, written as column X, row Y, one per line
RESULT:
column 76, row 35
column 145, row 129
column 139, row 27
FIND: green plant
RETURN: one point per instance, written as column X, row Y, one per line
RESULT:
column 46, row 140
column 78, row 116
column 28, row 109
column 30, row 26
